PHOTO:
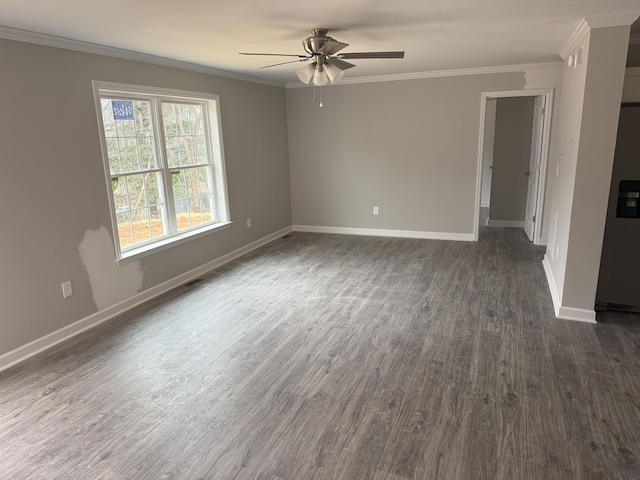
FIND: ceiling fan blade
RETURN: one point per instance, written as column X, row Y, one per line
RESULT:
column 341, row 64
column 331, row 47
column 276, row 55
column 285, row 63
column 354, row 56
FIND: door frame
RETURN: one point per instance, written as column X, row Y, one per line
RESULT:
column 547, row 93
column 539, row 105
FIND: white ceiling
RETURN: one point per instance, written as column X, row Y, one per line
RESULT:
column 435, row 34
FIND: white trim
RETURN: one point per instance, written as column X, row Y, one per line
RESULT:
column 131, row 88
column 555, row 297
column 544, row 163
column 41, row 344
column 611, row 19
column 544, row 158
column 506, row 223
column 436, row 74
column 574, row 40
column 478, row 205
column 562, row 312
column 168, row 242
column 379, row 232
column 577, row 314
column 210, row 104
column 27, row 36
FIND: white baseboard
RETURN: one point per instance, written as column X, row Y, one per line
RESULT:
column 379, row 232
column 577, row 314
column 552, row 283
column 43, row 343
column 506, row 223
column 562, row 312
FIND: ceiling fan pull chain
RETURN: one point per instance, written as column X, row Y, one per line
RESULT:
column 317, row 90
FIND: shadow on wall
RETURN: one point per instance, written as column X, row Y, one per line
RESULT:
column 110, row 282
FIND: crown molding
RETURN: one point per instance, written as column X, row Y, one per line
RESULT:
column 27, row 36
column 461, row 72
column 613, row 19
column 575, row 39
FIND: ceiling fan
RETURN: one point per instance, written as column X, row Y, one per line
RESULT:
column 326, row 63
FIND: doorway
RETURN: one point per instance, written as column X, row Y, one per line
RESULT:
column 530, row 175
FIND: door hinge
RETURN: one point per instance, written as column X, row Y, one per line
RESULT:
column 534, row 218
column 544, row 110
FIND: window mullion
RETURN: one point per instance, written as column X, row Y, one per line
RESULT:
column 166, row 171
column 136, row 172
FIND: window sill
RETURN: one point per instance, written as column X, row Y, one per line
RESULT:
column 155, row 247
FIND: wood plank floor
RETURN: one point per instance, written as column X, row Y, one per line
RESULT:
column 338, row 357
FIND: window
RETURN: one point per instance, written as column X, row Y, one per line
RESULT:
column 163, row 157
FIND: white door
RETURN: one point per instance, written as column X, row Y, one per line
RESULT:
column 533, row 174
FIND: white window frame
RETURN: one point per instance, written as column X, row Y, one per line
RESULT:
column 221, row 216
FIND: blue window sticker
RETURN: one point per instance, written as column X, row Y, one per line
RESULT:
column 122, row 110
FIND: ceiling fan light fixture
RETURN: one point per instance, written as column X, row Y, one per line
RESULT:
column 334, row 73
column 306, row 73
column 327, row 64
column 320, row 76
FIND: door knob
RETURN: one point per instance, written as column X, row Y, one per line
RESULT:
column 527, row 173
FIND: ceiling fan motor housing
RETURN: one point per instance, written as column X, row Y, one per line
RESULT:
column 316, row 41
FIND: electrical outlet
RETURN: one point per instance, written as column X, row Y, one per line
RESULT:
column 375, row 210
column 67, row 290
column 248, row 223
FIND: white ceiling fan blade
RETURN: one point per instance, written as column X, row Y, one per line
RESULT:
column 354, row 56
column 341, row 64
column 276, row 55
column 285, row 63
column 331, row 47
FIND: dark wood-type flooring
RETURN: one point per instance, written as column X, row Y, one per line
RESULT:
column 338, row 357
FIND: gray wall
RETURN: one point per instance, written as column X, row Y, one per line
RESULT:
column 511, row 158
column 409, row 147
column 54, row 196
column 581, row 160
